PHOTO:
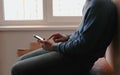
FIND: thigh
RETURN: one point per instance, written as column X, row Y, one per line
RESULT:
column 33, row 53
column 39, row 64
column 51, row 63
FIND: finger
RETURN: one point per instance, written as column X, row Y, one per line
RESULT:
column 41, row 41
column 51, row 37
column 56, row 34
column 43, row 38
column 57, row 40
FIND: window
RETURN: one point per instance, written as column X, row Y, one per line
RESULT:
column 37, row 12
column 23, row 9
column 67, row 7
column 65, row 11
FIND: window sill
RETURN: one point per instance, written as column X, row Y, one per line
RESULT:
column 30, row 28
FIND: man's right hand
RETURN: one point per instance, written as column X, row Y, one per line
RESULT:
column 57, row 37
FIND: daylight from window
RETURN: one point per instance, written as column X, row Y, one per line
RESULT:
column 23, row 9
column 33, row 9
column 68, row 7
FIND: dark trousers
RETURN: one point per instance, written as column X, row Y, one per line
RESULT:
column 42, row 62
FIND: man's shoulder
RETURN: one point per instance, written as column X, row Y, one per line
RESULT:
column 102, row 3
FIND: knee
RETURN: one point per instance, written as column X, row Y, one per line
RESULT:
column 15, row 69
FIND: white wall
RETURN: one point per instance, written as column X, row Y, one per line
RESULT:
column 10, row 41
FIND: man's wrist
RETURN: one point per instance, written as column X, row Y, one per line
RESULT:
column 56, row 47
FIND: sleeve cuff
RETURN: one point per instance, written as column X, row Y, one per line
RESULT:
column 56, row 47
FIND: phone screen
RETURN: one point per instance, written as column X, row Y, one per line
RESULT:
column 38, row 37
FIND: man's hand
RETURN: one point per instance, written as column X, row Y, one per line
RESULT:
column 47, row 45
column 57, row 37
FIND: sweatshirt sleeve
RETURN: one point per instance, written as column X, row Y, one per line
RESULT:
column 69, row 47
column 77, row 45
column 95, row 26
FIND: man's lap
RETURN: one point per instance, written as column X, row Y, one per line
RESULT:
column 41, row 61
column 33, row 54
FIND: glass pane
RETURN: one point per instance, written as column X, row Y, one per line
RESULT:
column 23, row 9
column 68, row 7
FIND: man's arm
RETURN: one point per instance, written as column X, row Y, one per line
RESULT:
column 93, row 31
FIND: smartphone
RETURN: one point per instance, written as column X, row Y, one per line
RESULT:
column 38, row 37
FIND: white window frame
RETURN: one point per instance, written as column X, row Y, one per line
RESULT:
column 49, row 19
column 64, row 19
column 21, row 22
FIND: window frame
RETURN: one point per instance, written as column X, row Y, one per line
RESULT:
column 48, row 18
column 51, row 18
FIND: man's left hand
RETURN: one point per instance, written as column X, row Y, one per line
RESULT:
column 47, row 45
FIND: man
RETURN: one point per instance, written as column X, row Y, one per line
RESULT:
column 77, row 52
